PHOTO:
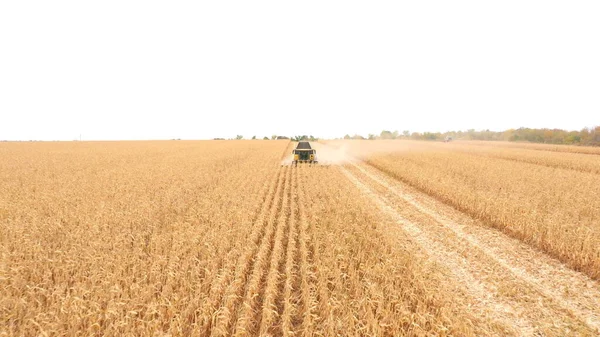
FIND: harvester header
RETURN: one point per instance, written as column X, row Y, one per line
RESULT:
column 304, row 153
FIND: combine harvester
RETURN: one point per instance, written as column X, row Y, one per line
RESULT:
column 304, row 153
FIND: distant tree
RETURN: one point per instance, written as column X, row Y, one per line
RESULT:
column 386, row 135
column 586, row 136
column 238, row 137
column 595, row 136
column 300, row 138
column 265, row 138
column 253, row 137
column 431, row 136
column 573, row 139
column 273, row 137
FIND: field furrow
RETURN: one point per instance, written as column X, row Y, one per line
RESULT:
column 227, row 317
column 249, row 311
column 211, row 307
column 321, row 310
column 308, row 272
column 289, row 303
column 220, row 321
column 268, row 316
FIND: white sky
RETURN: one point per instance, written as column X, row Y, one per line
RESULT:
column 203, row 69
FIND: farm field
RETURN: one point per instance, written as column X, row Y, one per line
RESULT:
column 223, row 238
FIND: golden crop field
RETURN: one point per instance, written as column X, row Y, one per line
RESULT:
column 225, row 238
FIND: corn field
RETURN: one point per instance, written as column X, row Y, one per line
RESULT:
column 225, row 238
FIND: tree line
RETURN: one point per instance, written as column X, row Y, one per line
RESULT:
column 276, row 137
column 586, row 136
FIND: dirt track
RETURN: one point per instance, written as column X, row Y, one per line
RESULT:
column 506, row 279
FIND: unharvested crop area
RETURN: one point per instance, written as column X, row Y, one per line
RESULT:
column 217, row 238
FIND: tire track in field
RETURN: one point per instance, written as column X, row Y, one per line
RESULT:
column 225, row 318
column 248, row 314
column 506, row 263
column 572, row 290
column 483, row 294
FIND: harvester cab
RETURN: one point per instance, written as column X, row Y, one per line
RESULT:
column 304, row 153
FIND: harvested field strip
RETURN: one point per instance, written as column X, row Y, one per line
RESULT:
column 483, row 295
column 504, row 263
column 536, row 204
column 358, row 258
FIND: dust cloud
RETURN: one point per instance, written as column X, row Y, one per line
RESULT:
column 340, row 152
column 333, row 154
